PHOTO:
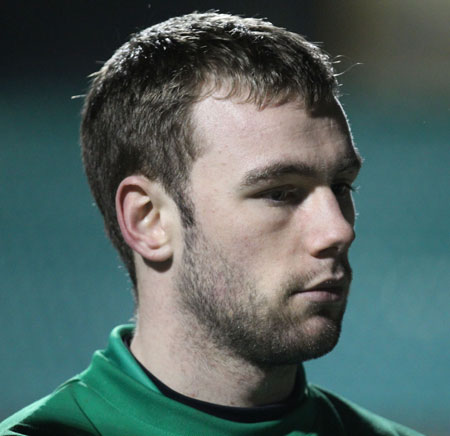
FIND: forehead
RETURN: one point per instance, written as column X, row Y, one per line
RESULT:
column 236, row 137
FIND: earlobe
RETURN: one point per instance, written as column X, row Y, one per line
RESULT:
column 140, row 209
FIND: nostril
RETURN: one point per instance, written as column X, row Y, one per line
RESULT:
column 328, row 252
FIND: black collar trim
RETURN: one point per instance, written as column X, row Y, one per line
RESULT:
column 268, row 412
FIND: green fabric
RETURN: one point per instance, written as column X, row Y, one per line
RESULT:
column 114, row 397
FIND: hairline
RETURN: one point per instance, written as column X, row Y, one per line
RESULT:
column 228, row 89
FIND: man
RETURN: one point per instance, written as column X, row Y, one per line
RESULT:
column 223, row 164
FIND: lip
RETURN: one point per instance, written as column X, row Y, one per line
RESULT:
column 328, row 290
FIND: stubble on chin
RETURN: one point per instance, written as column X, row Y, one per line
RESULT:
column 217, row 296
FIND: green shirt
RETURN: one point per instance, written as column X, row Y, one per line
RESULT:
column 114, row 396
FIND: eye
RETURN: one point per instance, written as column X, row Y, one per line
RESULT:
column 283, row 195
column 342, row 189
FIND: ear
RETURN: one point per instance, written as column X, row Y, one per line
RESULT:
column 143, row 213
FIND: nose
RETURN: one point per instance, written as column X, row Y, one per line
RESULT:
column 330, row 229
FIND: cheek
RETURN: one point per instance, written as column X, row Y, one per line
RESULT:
column 262, row 242
column 254, row 236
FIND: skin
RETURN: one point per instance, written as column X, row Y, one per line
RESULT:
column 274, row 222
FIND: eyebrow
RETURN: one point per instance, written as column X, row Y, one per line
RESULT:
column 277, row 170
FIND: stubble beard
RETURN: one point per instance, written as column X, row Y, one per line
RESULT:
column 237, row 319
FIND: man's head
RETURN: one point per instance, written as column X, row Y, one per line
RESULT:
column 137, row 117
column 216, row 148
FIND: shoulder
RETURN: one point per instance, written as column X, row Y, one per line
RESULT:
column 56, row 414
column 358, row 421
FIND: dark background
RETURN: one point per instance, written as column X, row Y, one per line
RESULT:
column 63, row 288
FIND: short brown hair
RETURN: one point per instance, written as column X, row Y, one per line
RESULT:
column 136, row 117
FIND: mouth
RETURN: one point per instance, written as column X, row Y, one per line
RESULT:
column 326, row 291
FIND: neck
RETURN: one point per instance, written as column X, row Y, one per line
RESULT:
column 178, row 353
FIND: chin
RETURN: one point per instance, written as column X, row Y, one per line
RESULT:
column 319, row 336
column 312, row 338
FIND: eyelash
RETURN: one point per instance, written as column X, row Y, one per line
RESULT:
column 348, row 188
column 299, row 194
column 294, row 193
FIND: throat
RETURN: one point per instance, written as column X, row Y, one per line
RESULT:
column 246, row 414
